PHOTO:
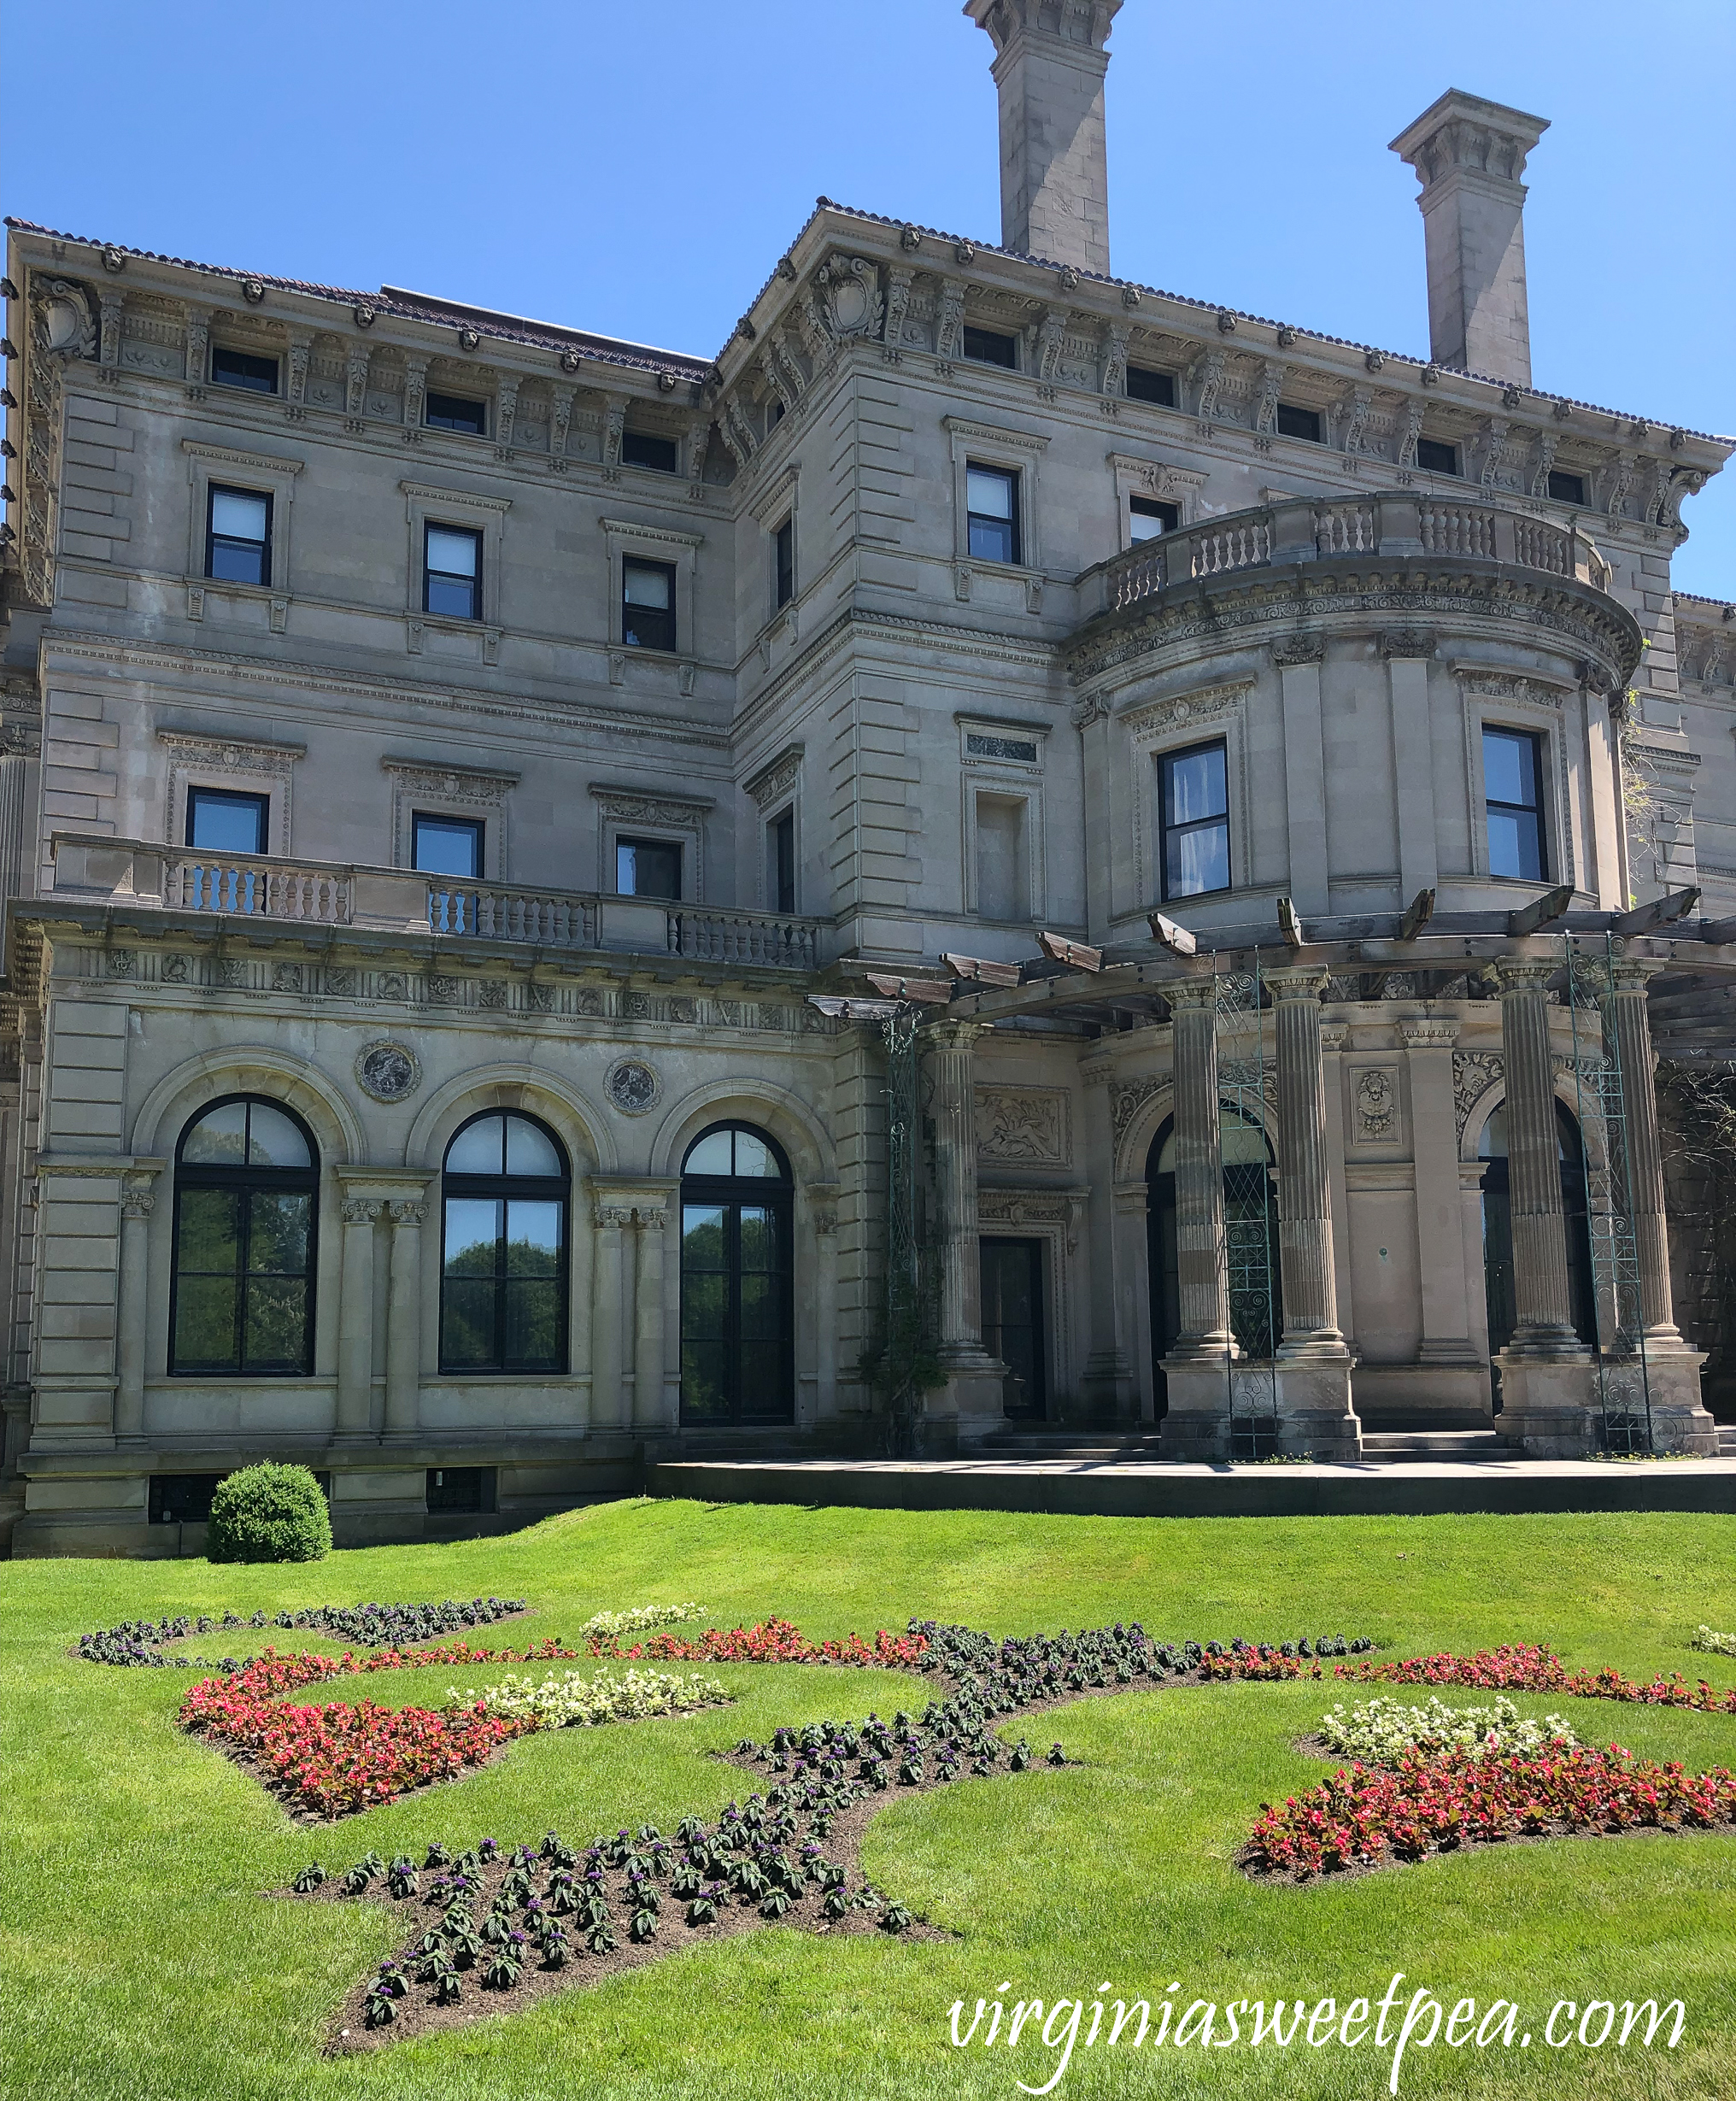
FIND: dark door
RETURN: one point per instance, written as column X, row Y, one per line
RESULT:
column 1497, row 1236
column 1012, row 1321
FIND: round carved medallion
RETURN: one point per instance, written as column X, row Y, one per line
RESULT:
column 633, row 1086
column 391, row 1071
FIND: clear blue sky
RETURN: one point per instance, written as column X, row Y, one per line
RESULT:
column 638, row 168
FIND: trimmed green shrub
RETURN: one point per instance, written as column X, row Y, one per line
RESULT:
column 269, row 1513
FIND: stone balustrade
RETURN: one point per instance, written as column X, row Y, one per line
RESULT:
column 1392, row 523
column 271, row 887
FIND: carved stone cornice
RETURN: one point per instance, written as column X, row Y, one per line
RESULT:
column 1407, row 643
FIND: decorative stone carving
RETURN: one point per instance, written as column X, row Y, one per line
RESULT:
column 774, row 781
column 388, row 1070
column 1377, row 1100
column 850, row 299
column 1474, row 1072
column 1157, row 718
column 1029, row 1125
column 632, row 1086
column 1126, row 1099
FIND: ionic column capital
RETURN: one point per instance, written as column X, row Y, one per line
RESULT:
column 1520, row 974
column 956, row 1036
column 1191, row 993
column 1298, row 981
column 1634, row 973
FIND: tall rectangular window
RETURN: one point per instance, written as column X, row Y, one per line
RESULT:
column 452, row 572
column 238, row 536
column 1147, row 517
column 241, row 369
column 988, row 346
column 221, row 820
column 646, row 449
column 780, row 862
column 1295, row 422
column 647, row 868
column 452, row 412
column 1145, row 384
column 1003, row 876
column 1195, row 798
column 447, row 846
column 784, row 563
column 1513, row 796
column 991, row 496
column 647, row 604
column 1564, row 488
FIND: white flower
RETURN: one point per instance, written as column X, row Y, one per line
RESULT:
column 1384, row 1731
column 610, row 1626
column 568, row 1698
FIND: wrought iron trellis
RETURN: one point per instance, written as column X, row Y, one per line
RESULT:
column 1624, row 1382
column 1250, row 1380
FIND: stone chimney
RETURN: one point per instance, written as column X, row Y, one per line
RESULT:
column 1469, row 155
column 1049, row 64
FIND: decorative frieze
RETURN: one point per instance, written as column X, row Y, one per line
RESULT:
column 1029, row 1125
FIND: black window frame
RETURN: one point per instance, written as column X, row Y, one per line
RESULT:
column 1012, row 524
column 501, row 1188
column 1167, row 830
column 1168, row 515
column 1439, row 465
column 213, row 490
column 1144, row 383
column 632, row 615
column 454, row 1487
column 477, row 827
column 990, row 346
column 246, row 370
column 181, row 1499
column 1562, row 495
column 198, row 794
column 731, row 1193
column 639, row 441
column 784, row 564
column 471, row 423
column 637, row 842
column 430, row 525
column 1312, row 427
column 1538, row 811
column 246, row 1180
column 780, row 859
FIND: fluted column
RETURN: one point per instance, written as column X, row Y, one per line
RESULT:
column 951, row 1046
column 404, row 1319
column 1542, row 1302
column 608, row 1221
column 649, row 1221
column 136, row 1204
column 1304, row 1220
column 1627, row 1028
column 1203, row 1284
column 355, row 1317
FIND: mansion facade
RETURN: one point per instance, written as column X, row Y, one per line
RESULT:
column 461, row 774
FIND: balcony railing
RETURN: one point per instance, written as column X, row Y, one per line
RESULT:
column 1388, row 524
column 268, row 888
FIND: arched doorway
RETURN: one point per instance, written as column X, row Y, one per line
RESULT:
column 737, row 1309
column 1250, row 1232
column 1498, row 1234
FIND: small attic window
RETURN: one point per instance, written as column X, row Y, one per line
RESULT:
column 1295, row 422
column 646, row 449
column 1144, row 384
column 986, row 346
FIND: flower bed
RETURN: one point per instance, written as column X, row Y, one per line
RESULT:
column 1525, row 1667
column 1383, row 1731
column 571, row 1698
column 773, row 1641
column 1435, row 1802
column 140, row 1641
column 1713, row 1643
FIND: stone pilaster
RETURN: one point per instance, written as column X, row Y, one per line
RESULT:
column 404, row 1319
column 1196, row 1371
column 1313, row 1362
column 972, row 1401
column 1460, row 1384
column 1679, row 1419
column 355, row 1317
column 138, row 1202
column 608, row 1221
column 649, row 1413
column 1546, row 1379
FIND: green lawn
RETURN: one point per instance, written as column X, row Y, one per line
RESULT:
column 139, row 1958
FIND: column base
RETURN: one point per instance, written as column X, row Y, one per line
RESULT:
column 1549, row 1406
column 971, row 1407
column 1196, row 1424
column 1315, row 1412
column 1680, row 1421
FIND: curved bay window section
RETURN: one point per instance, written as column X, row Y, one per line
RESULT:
column 737, row 1317
column 1251, row 1241
column 247, row 1181
column 1498, row 1234
column 506, row 1197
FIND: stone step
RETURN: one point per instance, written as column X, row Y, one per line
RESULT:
column 1413, row 1443
column 1726, row 1440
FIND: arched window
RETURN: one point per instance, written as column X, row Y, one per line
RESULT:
column 503, row 1248
column 247, row 1176
column 1251, row 1240
column 737, row 1328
